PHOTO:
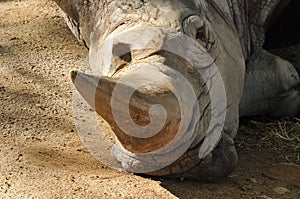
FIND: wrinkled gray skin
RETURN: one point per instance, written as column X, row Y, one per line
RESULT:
column 256, row 82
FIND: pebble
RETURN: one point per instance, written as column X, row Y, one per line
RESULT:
column 252, row 180
column 281, row 190
column 2, row 89
column 289, row 173
column 265, row 197
column 76, row 188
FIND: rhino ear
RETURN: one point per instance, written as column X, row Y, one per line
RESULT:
column 69, row 7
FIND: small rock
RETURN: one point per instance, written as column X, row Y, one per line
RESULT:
column 76, row 188
column 72, row 178
column 265, row 197
column 244, row 188
column 252, row 180
column 281, row 190
column 289, row 173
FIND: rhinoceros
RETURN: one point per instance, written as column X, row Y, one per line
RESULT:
column 223, row 39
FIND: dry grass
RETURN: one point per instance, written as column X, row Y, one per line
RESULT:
column 282, row 136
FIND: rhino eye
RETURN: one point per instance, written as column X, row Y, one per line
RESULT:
column 199, row 29
column 200, row 35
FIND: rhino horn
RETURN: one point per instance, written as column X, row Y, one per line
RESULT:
column 99, row 93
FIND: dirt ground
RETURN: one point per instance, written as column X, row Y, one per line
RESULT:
column 41, row 155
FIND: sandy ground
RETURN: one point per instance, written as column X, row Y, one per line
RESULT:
column 41, row 155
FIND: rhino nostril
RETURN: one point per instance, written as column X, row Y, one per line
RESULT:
column 126, row 57
column 122, row 51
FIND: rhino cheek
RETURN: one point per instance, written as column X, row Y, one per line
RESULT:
column 231, row 64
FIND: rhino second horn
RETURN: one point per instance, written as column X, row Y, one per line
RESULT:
column 97, row 91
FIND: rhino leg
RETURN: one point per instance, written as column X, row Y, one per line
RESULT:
column 270, row 87
column 218, row 164
column 224, row 160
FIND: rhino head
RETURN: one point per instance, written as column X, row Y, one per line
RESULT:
column 154, row 65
